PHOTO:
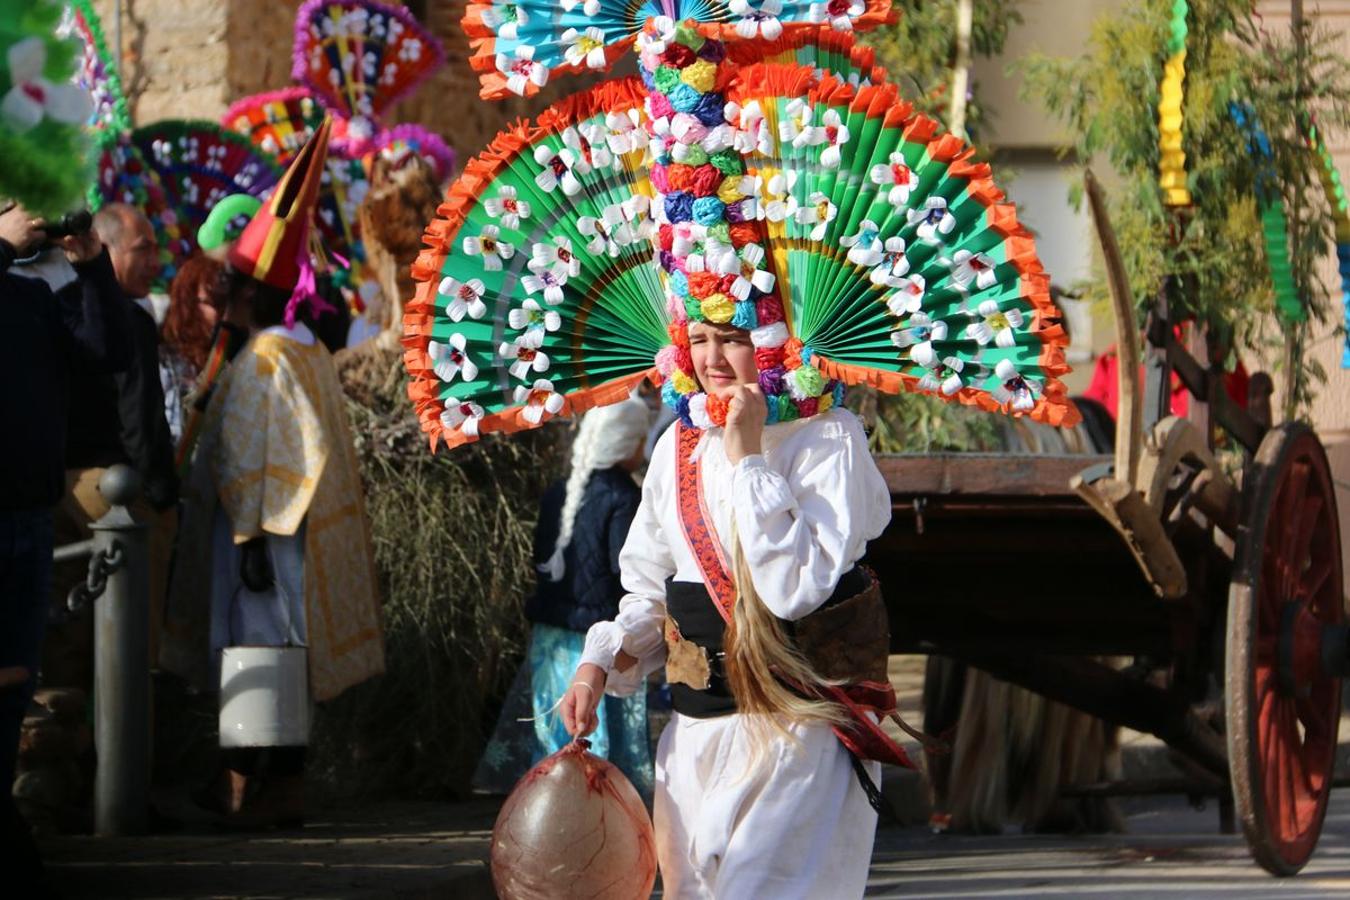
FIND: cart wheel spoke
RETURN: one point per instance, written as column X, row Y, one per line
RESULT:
column 1315, row 579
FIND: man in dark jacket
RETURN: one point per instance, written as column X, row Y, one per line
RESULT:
column 119, row 418
column 41, row 336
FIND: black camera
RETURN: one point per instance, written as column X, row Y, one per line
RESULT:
column 77, row 222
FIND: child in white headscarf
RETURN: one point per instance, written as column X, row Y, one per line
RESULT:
column 583, row 523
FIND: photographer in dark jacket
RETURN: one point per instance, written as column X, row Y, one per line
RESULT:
column 41, row 336
column 119, row 419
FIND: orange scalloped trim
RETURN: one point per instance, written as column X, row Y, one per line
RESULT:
column 439, row 238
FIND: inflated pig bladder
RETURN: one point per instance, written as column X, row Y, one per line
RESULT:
column 573, row 827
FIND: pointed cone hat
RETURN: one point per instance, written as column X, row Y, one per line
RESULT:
column 271, row 247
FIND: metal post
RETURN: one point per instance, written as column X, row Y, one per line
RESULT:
column 122, row 664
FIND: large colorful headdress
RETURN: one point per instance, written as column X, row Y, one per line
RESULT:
column 761, row 173
column 274, row 246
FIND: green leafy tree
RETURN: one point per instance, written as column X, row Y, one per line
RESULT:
column 1211, row 256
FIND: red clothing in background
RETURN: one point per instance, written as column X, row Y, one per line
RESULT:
column 1104, row 386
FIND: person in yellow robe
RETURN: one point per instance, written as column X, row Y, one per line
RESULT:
column 278, row 539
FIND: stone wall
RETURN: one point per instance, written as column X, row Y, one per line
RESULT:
column 192, row 59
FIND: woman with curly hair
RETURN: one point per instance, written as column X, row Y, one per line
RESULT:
column 194, row 308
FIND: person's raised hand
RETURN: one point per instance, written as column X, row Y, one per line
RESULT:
column 20, row 230
column 746, row 413
column 582, row 699
column 83, row 247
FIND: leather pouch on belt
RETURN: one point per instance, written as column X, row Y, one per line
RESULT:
column 686, row 662
column 848, row 641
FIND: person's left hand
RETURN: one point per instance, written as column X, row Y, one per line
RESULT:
column 746, row 412
column 81, row 248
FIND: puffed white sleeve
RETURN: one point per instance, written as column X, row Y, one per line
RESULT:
column 805, row 519
column 644, row 564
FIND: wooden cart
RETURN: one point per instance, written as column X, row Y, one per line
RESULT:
column 1226, row 591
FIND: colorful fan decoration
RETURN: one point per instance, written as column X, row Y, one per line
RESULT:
column 359, row 58
column 801, row 200
column 43, row 143
column 520, row 44
column 354, row 59
column 1274, row 224
column 98, row 73
column 198, row 164
column 404, row 141
column 277, row 122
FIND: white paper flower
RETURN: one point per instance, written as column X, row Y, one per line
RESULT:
column 556, row 254
column 1012, row 388
column 561, row 166
column 591, row 7
column 944, row 376
column 761, row 22
column 898, row 179
column 546, row 280
column 586, row 47
column 538, row 401
column 894, row 265
column 661, row 34
column 624, row 134
column 818, row 211
column 797, row 126
column 864, row 248
column 752, row 133
column 522, row 359
column 491, row 247
column 972, row 268
column 834, row 135
column 588, row 143
column 33, row 98
column 995, row 325
column 505, row 20
column 521, row 70
column 533, row 322
column 508, row 207
column 919, row 332
column 462, row 415
column 839, row 13
column 462, row 298
column 779, row 203
column 450, row 359
column 749, row 274
column 934, row 221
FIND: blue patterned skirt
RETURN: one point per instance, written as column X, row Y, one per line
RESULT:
column 530, row 726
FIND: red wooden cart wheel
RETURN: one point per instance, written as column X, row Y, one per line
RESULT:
column 1283, row 708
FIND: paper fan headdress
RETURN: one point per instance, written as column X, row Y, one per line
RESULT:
column 761, row 173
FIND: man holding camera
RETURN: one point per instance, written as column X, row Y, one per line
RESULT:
column 42, row 335
column 120, row 420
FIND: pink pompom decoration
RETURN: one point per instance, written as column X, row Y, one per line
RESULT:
column 667, row 358
column 660, row 178
column 660, row 105
column 768, row 310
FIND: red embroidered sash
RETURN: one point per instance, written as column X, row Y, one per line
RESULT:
column 863, row 737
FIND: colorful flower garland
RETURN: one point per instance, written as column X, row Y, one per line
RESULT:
column 709, row 236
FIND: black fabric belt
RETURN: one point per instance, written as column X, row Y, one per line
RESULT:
column 693, row 609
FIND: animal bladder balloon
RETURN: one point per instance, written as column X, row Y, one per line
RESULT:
column 573, row 827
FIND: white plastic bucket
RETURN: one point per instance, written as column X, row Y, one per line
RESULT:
column 264, row 697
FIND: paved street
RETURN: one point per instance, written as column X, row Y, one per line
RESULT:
column 1171, row 851
column 437, row 850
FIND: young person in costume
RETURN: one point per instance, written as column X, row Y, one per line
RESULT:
column 792, row 505
column 583, row 523
column 755, row 223
column 288, row 554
